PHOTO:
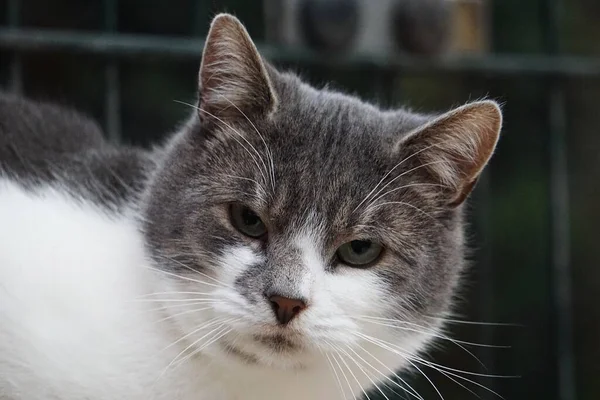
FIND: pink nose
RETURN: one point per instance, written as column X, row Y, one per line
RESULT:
column 285, row 308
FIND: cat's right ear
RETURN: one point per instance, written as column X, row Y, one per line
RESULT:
column 233, row 79
column 455, row 147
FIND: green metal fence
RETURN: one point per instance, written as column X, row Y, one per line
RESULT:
column 553, row 68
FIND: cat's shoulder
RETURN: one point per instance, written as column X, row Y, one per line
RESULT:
column 41, row 142
column 38, row 127
column 35, row 135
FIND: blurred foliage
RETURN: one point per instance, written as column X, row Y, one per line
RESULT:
column 510, row 279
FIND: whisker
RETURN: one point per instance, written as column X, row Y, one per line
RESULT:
column 242, row 178
column 438, row 365
column 373, row 207
column 195, row 310
column 449, row 369
column 433, row 333
column 185, row 278
column 458, row 321
column 428, row 379
column 207, row 324
column 215, row 338
column 458, row 383
column 170, row 300
column 337, row 377
column 364, row 372
column 267, row 149
column 197, row 272
column 164, row 371
column 440, row 368
column 392, row 170
column 447, row 374
column 412, row 391
column 411, row 363
column 249, row 180
column 404, row 187
column 164, row 293
column 407, row 172
column 333, row 355
column 398, row 377
column 354, row 376
column 427, row 331
column 180, row 305
column 194, row 343
column 239, row 134
column 392, row 389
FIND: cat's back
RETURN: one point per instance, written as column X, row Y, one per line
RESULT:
column 46, row 143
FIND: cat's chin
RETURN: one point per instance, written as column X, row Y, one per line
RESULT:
column 266, row 350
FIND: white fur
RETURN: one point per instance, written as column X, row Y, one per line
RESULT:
column 78, row 318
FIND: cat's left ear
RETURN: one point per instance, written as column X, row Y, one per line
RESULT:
column 233, row 77
column 456, row 146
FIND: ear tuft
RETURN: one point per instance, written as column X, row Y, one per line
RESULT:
column 457, row 146
column 233, row 76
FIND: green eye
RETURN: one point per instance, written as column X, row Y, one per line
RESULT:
column 247, row 221
column 359, row 253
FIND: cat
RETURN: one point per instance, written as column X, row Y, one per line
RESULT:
column 284, row 243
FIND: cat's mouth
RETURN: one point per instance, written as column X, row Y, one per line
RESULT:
column 278, row 343
column 240, row 354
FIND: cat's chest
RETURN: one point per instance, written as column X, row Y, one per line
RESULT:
column 292, row 385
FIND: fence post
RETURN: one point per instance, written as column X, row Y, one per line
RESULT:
column 112, row 95
column 16, row 67
column 559, row 214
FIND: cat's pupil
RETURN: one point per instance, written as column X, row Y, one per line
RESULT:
column 250, row 218
column 360, row 246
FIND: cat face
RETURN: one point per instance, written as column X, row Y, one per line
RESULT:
column 293, row 222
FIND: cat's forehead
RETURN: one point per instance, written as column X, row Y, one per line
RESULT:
column 331, row 113
column 328, row 140
column 326, row 151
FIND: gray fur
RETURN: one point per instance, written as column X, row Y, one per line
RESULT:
column 42, row 143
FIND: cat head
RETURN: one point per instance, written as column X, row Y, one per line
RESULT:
column 294, row 221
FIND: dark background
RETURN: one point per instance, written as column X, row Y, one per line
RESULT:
column 512, row 280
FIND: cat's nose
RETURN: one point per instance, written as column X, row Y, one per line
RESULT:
column 285, row 308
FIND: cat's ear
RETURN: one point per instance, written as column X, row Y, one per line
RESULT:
column 455, row 147
column 233, row 77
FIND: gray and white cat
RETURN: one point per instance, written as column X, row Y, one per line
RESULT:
column 286, row 243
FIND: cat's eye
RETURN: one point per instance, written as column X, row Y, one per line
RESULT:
column 247, row 221
column 359, row 253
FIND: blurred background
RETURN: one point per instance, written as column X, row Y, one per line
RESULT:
column 535, row 215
